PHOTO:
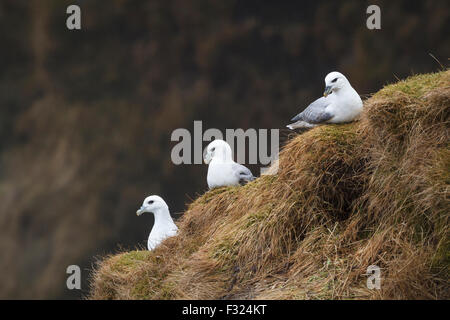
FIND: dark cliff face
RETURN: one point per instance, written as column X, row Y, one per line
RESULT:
column 86, row 116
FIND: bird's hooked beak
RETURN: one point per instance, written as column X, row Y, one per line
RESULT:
column 207, row 158
column 327, row 91
column 140, row 211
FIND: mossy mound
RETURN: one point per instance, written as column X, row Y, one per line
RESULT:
column 373, row 192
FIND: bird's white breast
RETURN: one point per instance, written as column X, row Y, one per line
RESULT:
column 221, row 174
column 346, row 107
column 159, row 234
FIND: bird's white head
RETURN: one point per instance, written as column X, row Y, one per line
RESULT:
column 334, row 82
column 218, row 149
column 152, row 204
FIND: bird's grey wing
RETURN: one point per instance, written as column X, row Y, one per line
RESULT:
column 243, row 173
column 315, row 112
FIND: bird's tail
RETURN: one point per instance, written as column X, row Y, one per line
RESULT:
column 247, row 179
column 300, row 124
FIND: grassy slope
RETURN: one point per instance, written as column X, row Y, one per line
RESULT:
column 345, row 197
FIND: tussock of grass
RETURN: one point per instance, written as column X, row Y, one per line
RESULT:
column 345, row 197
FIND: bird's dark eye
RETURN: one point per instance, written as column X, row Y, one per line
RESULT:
column 151, row 202
column 213, row 149
column 334, row 80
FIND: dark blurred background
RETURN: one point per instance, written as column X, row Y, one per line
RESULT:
column 86, row 116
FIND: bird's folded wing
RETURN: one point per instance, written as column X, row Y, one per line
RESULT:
column 242, row 172
column 315, row 112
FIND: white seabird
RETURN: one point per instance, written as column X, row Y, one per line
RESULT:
column 164, row 227
column 340, row 103
column 222, row 170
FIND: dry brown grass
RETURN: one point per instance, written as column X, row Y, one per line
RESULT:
column 345, row 197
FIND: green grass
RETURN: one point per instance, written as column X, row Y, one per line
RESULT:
column 130, row 259
column 414, row 86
